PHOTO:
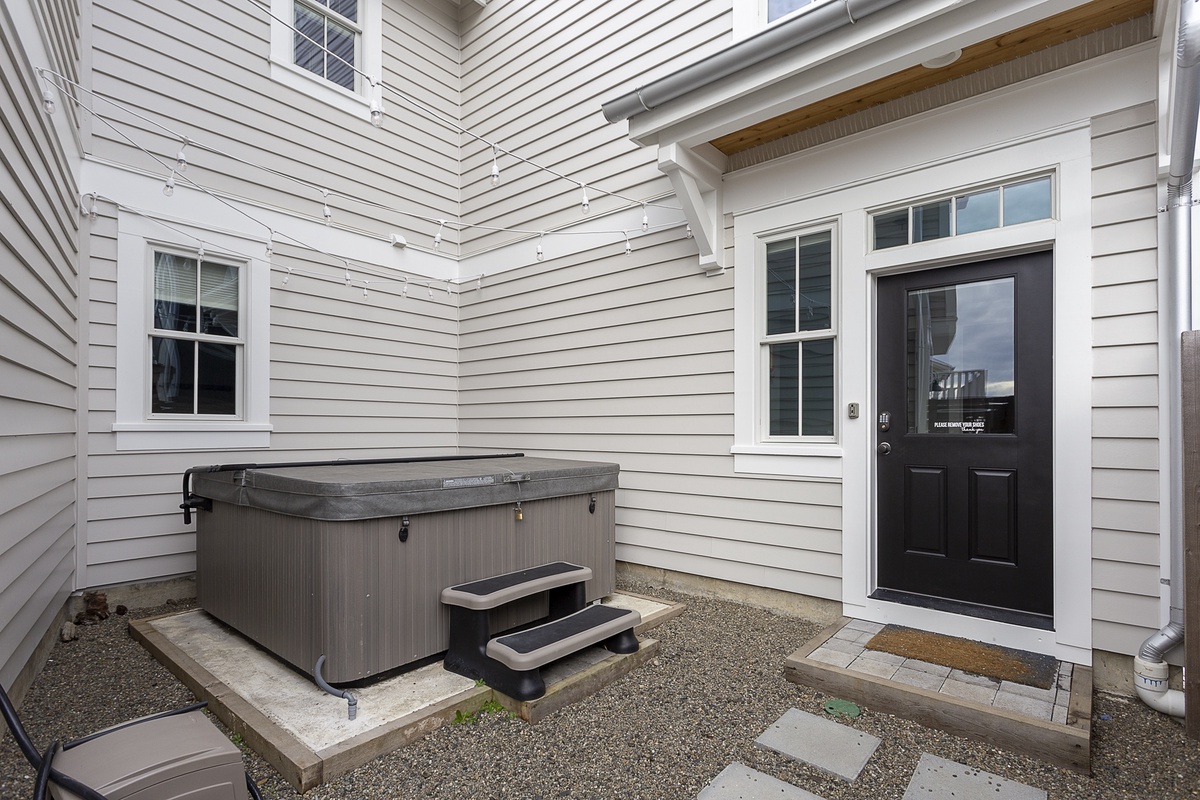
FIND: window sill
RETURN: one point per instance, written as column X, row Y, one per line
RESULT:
column 319, row 89
column 821, row 462
column 147, row 436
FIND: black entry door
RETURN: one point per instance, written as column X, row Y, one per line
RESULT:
column 964, row 439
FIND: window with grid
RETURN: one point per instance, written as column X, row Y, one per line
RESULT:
column 196, row 341
column 797, row 338
column 328, row 39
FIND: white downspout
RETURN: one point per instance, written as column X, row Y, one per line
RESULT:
column 1149, row 668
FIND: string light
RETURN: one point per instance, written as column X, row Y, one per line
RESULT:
column 628, row 246
column 200, row 252
column 586, row 206
column 48, row 104
column 169, row 186
column 347, row 274
column 89, row 208
column 365, row 282
column 689, row 232
column 404, row 289
column 645, row 218
column 181, row 162
column 495, row 165
column 429, row 288
column 325, row 210
column 541, row 254
column 376, row 105
column 437, row 237
column 287, row 276
column 270, row 249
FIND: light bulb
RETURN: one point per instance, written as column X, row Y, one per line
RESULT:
column 437, row 237
column 287, row 275
column 169, row 186
column 585, row 205
column 200, row 252
column 541, row 254
column 327, row 213
column 347, row 276
column 645, row 218
column 404, row 289
column 181, row 162
column 365, row 288
column 495, row 165
column 48, row 104
column 429, row 289
column 689, row 232
column 628, row 246
column 376, row 115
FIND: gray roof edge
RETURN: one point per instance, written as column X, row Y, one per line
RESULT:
column 758, row 48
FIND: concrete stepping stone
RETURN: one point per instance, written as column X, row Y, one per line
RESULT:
column 739, row 782
column 826, row 745
column 941, row 779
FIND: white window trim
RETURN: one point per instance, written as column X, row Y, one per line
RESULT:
column 285, row 71
column 134, row 428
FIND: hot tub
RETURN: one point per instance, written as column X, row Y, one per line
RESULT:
column 347, row 560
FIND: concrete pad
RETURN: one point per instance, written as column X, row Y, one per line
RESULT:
column 868, row 666
column 969, row 691
column 739, row 782
column 1027, row 706
column 920, row 678
column 306, row 734
column 826, row 745
column 941, row 779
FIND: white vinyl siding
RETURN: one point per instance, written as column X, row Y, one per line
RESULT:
column 39, row 328
column 1125, row 415
column 605, row 357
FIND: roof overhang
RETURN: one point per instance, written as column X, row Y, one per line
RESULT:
column 821, row 65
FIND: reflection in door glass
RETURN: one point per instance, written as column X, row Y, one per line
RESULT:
column 960, row 358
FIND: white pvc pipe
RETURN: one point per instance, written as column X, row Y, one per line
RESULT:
column 1150, row 681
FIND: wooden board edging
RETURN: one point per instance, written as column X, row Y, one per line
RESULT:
column 1066, row 746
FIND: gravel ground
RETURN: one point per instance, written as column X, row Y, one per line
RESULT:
column 662, row 732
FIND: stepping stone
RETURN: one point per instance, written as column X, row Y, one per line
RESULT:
column 941, row 779
column 739, row 782
column 826, row 745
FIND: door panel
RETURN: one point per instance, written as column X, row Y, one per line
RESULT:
column 964, row 460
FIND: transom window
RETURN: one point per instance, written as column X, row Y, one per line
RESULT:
column 196, row 341
column 328, row 39
column 798, row 335
column 985, row 209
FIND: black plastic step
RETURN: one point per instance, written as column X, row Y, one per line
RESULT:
column 501, row 589
column 538, row 646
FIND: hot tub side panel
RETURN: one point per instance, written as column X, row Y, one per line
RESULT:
column 371, row 602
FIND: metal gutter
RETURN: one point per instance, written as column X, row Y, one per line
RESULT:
column 771, row 42
column 1150, row 670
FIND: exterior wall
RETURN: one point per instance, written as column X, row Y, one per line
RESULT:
column 351, row 376
column 39, row 290
column 1126, row 483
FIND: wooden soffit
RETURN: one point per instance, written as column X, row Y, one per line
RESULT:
column 1079, row 21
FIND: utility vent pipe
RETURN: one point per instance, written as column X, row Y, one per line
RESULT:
column 1149, row 668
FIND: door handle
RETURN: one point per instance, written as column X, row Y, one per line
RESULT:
column 884, row 448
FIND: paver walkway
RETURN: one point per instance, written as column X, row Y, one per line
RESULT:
column 847, row 649
column 843, row 751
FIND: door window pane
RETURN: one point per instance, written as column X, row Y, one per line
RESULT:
column 960, row 365
column 978, row 212
column 891, row 229
column 1026, row 202
column 931, row 221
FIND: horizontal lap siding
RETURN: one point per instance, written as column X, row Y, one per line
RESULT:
column 202, row 69
column 39, row 313
column 351, row 377
column 629, row 359
column 534, row 77
column 1125, row 352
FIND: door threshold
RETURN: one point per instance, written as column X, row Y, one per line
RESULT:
column 1024, row 619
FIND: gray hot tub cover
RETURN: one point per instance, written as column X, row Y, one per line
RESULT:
column 368, row 491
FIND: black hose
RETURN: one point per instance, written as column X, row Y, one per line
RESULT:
column 43, row 773
column 189, row 500
column 252, row 787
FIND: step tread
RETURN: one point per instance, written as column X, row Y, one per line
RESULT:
column 538, row 646
column 500, row 589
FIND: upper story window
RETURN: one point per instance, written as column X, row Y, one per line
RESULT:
column 797, row 336
column 328, row 39
column 985, row 209
column 777, row 9
column 324, row 48
column 196, row 347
